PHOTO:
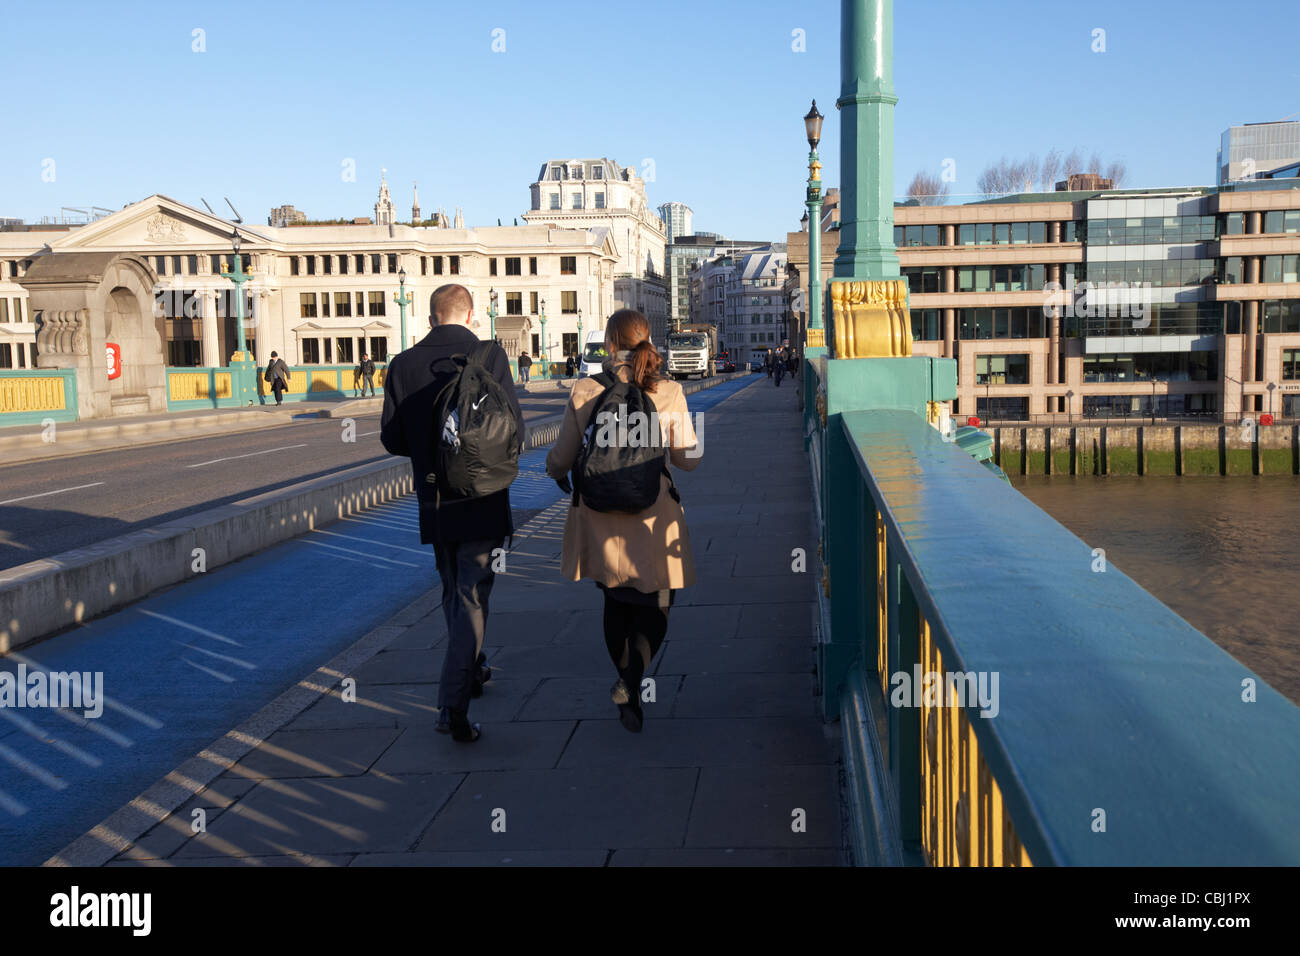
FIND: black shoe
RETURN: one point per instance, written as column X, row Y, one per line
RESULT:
column 627, row 694
column 481, row 676
column 462, row 731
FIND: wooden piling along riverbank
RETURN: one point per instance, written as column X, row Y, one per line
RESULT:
column 1161, row 449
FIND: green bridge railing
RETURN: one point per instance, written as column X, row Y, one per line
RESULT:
column 1074, row 720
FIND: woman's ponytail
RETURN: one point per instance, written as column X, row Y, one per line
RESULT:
column 628, row 329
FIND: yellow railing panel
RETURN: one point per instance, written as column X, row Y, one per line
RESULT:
column 964, row 821
column 33, row 393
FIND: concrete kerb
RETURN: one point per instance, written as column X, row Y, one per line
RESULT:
column 41, row 597
column 128, row 824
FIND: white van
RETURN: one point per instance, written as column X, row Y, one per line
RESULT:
column 593, row 354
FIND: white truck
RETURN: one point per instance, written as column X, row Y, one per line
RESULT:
column 593, row 354
column 693, row 351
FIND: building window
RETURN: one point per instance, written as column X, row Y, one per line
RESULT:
column 569, row 343
column 532, row 265
column 4, row 309
column 311, row 351
column 1281, row 315
column 345, row 351
column 293, row 265
column 925, row 325
column 532, row 303
column 359, row 260
column 966, row 234
column 492, row 267
column 514, row 266
column 192, row 265
column 600, row 200
column 983, row 233
column 568, row 303
column 555, row 200
column 1291, row 364
column 343, row 265
column 327, row 265
column 6, row 355
column 379, row 348
column 577, row 200
column 454, row 265
column 437, row 265
column 343, row 305
column 568, row 265
column 1019, row 233
column 392, row 263
column 1002, row 369
column 537, row 344
column 311, row 265
column 424, row 265
column 376, row 303
column 1002, row 233
column 514, row 303
column 375, row 261
column 325, row 305
column 307, row 305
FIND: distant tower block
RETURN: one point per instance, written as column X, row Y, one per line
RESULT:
column 384, row 207
column 415, row 204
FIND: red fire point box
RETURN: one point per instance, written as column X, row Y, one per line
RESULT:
column 114, row 355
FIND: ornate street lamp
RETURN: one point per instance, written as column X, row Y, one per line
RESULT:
column 812, row 123
column 492, row 314
column 403, row 299
column 545, row 366
column 238, row 277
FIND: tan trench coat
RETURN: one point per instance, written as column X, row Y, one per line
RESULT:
column 649, row 551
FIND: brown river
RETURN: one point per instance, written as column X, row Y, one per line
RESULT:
column 1224, row 553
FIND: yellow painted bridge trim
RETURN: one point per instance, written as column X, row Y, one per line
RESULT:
column 32, row 393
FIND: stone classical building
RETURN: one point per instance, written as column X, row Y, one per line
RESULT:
column 600, row 194
column 148, row 278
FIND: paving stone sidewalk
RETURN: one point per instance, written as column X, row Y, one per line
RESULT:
column 732, row 758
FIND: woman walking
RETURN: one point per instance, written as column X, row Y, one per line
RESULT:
column 639, row 559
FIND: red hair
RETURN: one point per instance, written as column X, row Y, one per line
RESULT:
column 629, row 330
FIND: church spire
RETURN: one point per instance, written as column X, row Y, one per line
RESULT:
column 415, row 204
column 384, row 207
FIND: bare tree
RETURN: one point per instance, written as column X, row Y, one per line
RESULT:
column 1073, row 163
column 1116, row 173
column 1049, row 170
column 927, row 189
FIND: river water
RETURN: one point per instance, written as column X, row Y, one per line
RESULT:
column 1224, row 553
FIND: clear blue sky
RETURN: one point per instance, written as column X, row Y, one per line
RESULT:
column 711, row 92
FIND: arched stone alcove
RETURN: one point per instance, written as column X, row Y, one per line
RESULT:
column 82, row 301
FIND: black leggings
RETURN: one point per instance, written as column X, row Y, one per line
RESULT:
column 633, row 625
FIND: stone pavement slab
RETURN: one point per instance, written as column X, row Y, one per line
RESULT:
column 734, row 766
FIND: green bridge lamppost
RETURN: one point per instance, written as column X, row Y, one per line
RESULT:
column 492, row 314
column 546, row 367
column 243, row 367
column 813, row 127
column 403, row 299
column 579, row 331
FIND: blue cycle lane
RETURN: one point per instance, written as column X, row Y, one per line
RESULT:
column 184, row 666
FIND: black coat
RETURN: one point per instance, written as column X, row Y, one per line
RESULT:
column 411, row 387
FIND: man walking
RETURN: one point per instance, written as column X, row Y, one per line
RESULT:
column 367, row 374
column 525, row 363
column 277, row 373
column 466, row 533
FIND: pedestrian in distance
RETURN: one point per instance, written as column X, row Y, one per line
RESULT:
column 450, row 406
column 626, row 529
column 768, row 362
column 277, row 374
column 525, row 363
column 568, row 367
column 778, row 368
column 367, row 374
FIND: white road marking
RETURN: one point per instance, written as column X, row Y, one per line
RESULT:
column 221, row 657
column 191, row 627
column 383, row 544
column 265, row 451
column 350, row 554
column 44, row 494
column 29, row 728
column 12, row 805
column 364, row 434
column 208, row 670
column 32, row 770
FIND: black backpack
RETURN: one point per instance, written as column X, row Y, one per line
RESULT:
column 612, row 474
column 476, row 442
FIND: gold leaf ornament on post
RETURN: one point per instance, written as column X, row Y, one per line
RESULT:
column 870, row 319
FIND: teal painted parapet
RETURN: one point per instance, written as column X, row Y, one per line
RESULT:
column 1116, row 734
